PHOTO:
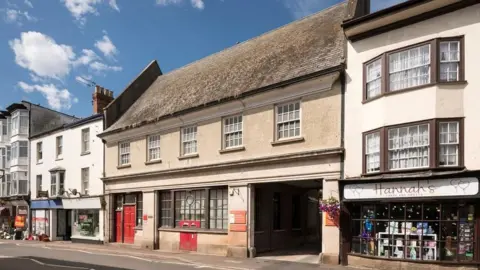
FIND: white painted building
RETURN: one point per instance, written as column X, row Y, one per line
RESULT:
column 66, row 186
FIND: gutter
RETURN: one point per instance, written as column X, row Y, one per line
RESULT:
column 337, row 68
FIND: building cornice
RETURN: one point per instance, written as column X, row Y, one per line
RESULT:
column 315, row 154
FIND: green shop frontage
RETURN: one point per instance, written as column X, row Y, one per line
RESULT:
column 416, row 222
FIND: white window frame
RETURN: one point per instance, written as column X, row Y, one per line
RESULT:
column 57, row 184
column 15, row 123
column 421, row 142
column 23, row 130
column 59, row 147
column 372, row 153
column 448, row 61
column 232, row 126
column 85, row 176
column 448, row 145
column 188, row 139
column 372, row 68
column 85, row 133
column 124, row 151
column 153, row 147
column 39, row 152
column 406, row 69
column 280, row 120
column 39, row 184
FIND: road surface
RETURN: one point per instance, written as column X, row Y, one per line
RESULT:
column 25, row 255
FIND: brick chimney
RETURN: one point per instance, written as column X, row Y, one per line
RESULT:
column 101, row 98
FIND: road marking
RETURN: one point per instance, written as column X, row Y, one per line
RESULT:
column 55, row 265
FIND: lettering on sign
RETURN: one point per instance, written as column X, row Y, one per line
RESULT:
column 407, row 189
column 238, row 220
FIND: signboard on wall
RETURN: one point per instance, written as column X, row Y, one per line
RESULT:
column 409, row 189
column 238, row 221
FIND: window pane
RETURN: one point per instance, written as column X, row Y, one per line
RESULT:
column 288, row 120
column 409, row 147
column 409, row 68
column 374, row 76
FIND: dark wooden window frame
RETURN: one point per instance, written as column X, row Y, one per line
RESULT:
column 434, row 67
column 434, row 130
column 171, row 222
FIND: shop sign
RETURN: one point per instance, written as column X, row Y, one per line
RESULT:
column 408, row 189
column 22, row 210
column 19, row 221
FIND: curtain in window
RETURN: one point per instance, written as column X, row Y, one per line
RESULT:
column 449, row 143
column 372, row 152
column 408, row 147
column 374, row 79
column 409, row 68
column 449, row 60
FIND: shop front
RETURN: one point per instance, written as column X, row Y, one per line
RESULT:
column 44, row 217
column 395, row 223
column 83, row 220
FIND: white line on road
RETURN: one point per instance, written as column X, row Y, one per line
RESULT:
column 54, row 265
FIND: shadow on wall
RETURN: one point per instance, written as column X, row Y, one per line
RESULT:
column 23, row 263
column 457, row 19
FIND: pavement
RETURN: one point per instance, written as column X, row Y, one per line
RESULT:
column 23, row 255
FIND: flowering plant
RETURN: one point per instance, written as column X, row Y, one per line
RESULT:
column 330, row 206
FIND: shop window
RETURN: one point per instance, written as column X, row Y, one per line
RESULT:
column 191, row 206
column 139, row 207
column 166, row 215
column 415, row 231
column 218, row 209
column 209, row 207
column 86, row 223
column 277, row 221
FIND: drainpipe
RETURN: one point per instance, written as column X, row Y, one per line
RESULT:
column 105, row 211
column 29, row 195
column 342, row 159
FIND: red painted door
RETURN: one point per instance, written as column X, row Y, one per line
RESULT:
column 128, row 224
column 118, row 225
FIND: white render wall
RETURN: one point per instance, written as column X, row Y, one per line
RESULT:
column 72, row 160
column 423, row 104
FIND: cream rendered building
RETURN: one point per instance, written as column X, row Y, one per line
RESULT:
column 229, row 155
column 411, row 187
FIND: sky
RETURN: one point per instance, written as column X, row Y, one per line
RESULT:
column 51, row 51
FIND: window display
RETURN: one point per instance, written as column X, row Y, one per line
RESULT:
column 414, row 231
column 86, row 223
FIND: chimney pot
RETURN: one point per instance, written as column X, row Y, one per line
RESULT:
column 101, row 98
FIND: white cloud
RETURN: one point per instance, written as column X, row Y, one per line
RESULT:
column 40, row 54
column 86, row 58
column 81, row 8
column 17, row 16
column 113, row 4
column 198, row 4
column 106, row 46
column 28, row 3
column 58, row 99
column 84, row 79
column 101, row 67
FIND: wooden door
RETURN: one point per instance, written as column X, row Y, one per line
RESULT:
column 129, row 224
column 118, row 226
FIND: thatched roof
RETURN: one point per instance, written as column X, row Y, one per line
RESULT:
column 303, row 47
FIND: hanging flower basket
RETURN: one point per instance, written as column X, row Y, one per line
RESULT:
column 330, row 206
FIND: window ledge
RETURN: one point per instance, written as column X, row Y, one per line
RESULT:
column 138, row 228
column 288, row 141
column 453, row 83
column 85, row 153
column 119, row 167
column 193, row 230
column 39, row 162
column 233, row 149
column 188, row 156
column 414, row 170
column 58, row 159
column 151, row 162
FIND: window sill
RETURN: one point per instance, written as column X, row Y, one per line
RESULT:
column 188, row 156
column 151, row 162
column 85, row 153
column 119, row 167
column 415, row 170
column 39, row 162
column 193, row 230
column 453, row 83
column 288, row 141
column 58, row 159
column 138, row 228
column 233, row 149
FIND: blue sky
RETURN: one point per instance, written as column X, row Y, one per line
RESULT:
column 47, row 48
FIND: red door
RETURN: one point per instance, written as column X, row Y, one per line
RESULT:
column 118, row 225
column 128, row 224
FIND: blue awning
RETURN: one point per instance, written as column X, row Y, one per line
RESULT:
column 47, row 204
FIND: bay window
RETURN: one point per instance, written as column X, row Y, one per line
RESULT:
column 57, row 183
column 434, row 61
column 20, row 123
column 428, row 144
column 207, row 208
